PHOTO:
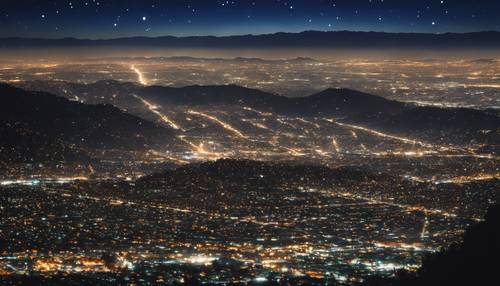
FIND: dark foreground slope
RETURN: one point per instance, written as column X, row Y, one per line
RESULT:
column 23, row 145
column 473, row 262
column 38, row 126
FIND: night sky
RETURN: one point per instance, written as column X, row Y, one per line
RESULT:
column 118, row 18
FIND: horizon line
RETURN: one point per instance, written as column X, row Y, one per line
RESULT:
column 243, row 35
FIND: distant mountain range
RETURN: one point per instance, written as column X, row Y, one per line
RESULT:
column 446, row 125
column 312, row 39
column 182, row 59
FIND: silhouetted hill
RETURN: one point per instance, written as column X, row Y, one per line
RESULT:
column 473, row 262
column 212, row 95
column 243, row 182
column 319, row 39
column 98, row 93
column 353, row 104
column 229, row 172
column 447, row 125
column 22, row 145
column 439, row 123
column 79, row 125
column 341, row 102
column 457, row 125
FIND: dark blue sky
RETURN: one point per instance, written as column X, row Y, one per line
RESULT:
column 117, row 18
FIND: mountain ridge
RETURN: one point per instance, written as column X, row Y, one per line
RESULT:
column 319, row 39
column 73, row 123
column 433, row 123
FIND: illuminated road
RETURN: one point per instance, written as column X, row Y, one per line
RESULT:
column 463, row 152
column 140, row 76
column 199, row 150
column 153, row 108
column 423, row 234
column 381, row 134
column 308, row 122
column 266, row 114
column 469, row 179
column 408, row 208
column 159, row 206
column 170, row 158
column 256, row 124
column 38, row 181
column 336, row 145
column 225, row 125
column 354, row 135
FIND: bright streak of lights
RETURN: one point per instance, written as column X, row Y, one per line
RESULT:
column 423, row 234
column 482, row 85
column 389, row 202
column 404, row 246
column 225, row 125
column 153, row 108
column 140, row 75
column 336, row 145
column 383, row 135
column 469, row 179
column 294, row 151
column 286, row 123
column 256, row 124
column 259, row 125
column 200, row 151
column 200, row 259
column 165, row 156
column 408, row 208
column 418, row 154
column 183, row 139
column 34, row 182
column 322, row 153
column 354, row 135
column 159, row 206
column 257, row 111
column 308, row 122
column 408, row 141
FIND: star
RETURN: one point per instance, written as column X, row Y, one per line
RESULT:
column 95, row 18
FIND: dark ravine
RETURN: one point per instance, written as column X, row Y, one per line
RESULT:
column 306, row 39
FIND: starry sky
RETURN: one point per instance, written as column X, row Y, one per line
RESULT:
column 122, row 18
